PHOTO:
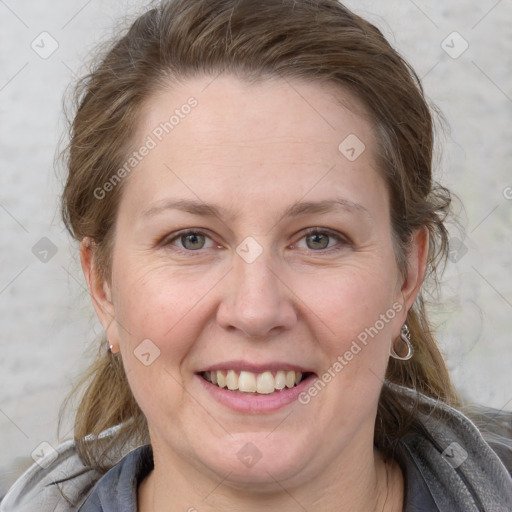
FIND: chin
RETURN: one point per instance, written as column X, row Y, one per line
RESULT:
column 253, row 461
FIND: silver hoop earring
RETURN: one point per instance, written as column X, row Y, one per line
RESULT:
column 405, row 336
column 109, row 346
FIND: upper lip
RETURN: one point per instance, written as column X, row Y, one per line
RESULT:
column 240, row 365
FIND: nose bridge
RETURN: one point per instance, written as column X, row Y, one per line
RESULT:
column 257, row 280
column 257, row 302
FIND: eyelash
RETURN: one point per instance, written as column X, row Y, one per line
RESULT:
column 343, row 241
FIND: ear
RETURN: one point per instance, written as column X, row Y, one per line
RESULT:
column 99, row 289
column 416, row 266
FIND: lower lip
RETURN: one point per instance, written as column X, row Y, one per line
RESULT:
column 256, row 403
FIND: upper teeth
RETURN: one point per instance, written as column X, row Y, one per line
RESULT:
column 250, row 382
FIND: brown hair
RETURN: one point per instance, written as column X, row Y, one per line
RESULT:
column 314, row 40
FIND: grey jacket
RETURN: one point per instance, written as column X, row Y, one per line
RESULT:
column 454, row 467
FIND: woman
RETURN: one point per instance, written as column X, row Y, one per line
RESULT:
column 251, row 184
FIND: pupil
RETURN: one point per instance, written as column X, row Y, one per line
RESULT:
column 319, row 241
column 192, row 241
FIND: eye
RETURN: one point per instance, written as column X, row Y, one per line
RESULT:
column 190, row 241
column 319, row 239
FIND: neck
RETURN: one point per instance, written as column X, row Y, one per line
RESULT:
column 375, row 485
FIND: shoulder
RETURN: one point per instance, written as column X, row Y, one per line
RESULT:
column 465, row 465
column 58, row 481
column 496, row 429
column 117, row 489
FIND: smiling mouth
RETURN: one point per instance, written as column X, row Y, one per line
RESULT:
column 263, row 383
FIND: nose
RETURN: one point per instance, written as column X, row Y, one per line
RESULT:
column 256, row 301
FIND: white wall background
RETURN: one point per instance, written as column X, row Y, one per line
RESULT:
column 47, row 322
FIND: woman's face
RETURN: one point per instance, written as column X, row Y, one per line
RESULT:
column 253, row 242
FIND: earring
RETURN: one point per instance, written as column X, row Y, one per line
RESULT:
column 110, row 347
column 405, row 336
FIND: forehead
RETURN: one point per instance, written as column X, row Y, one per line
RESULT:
column 222, row 134
column 266, row 109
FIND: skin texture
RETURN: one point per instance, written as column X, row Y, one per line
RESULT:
column 254, row 150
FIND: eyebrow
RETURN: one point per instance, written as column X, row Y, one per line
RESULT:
column 295, row 210
column 308, row 207
column 188, row 206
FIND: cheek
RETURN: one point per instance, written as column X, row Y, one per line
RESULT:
column 351, row 298
column 156, row 316
column 159, row 303
column 356, row 313
column 158, row 313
